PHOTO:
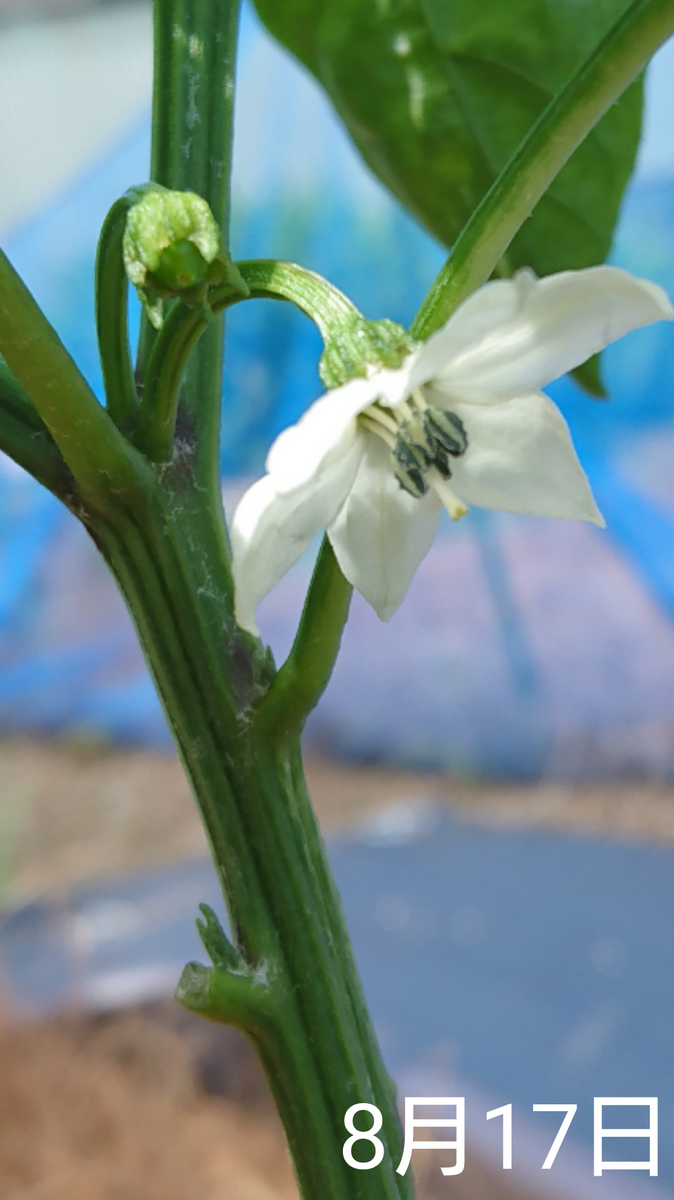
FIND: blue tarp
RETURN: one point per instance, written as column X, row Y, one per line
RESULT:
column 525, row 648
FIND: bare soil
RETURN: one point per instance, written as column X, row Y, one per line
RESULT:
column 123, row 1108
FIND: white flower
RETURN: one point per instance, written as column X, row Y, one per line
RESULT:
column 371, row 461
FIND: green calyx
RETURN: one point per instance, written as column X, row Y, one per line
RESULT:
column 172, row 248
column 356, row 346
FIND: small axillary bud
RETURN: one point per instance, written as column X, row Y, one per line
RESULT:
column 358, row 347
column 172, row 248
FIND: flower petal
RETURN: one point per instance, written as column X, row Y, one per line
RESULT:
column 514, row 336
column 325, row 432
column 381, row 533
column 270, row 530
column 520, row 458
column 480, row 316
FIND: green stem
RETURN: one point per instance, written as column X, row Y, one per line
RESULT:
column 15, row 401
column 184, row 326
column 96, row 453
column 292, row 984
column 111, row 317
column 321, row 301
column 25, row 438
column 300, row 999
column 567, row 120
column 168, row 362
column 193, row 109
column 227, row 998
column 193, row 100
column 306, row 672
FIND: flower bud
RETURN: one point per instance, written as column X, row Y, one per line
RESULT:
column 172, row 248
column 181, row 265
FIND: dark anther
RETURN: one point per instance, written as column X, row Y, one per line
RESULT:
column 445, row 430
column 441, row 462
column 410, row 478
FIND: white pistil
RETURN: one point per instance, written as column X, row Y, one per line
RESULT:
column 443, row 491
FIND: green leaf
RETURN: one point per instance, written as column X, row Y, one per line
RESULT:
column 437, row 94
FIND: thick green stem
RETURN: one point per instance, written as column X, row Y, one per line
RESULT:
column 193, row 110
column 193, row 107
column 306, row 672
column 570, row 116
column 300, row 1001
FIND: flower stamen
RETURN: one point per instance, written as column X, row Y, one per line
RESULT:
column 455, row 507
column 404, row 410
column 411, row 460
column 426, row 438
column 446, row 434
column 381, row 430
column 376, row 413
column 420, row 438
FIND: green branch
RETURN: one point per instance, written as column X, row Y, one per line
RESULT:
column 229, row 992
column 99, row 458
column 306, row 672
column 221, row 996
column 15, row 401
column 111, row 316
column 327, row 307
column 165, row 370
column 567, row 120
column 183, row 327
column 25, row 438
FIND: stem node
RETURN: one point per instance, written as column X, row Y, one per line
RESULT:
column 223, row 996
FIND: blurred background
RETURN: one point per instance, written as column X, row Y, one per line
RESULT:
column 526, row 684
column 529, row 649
